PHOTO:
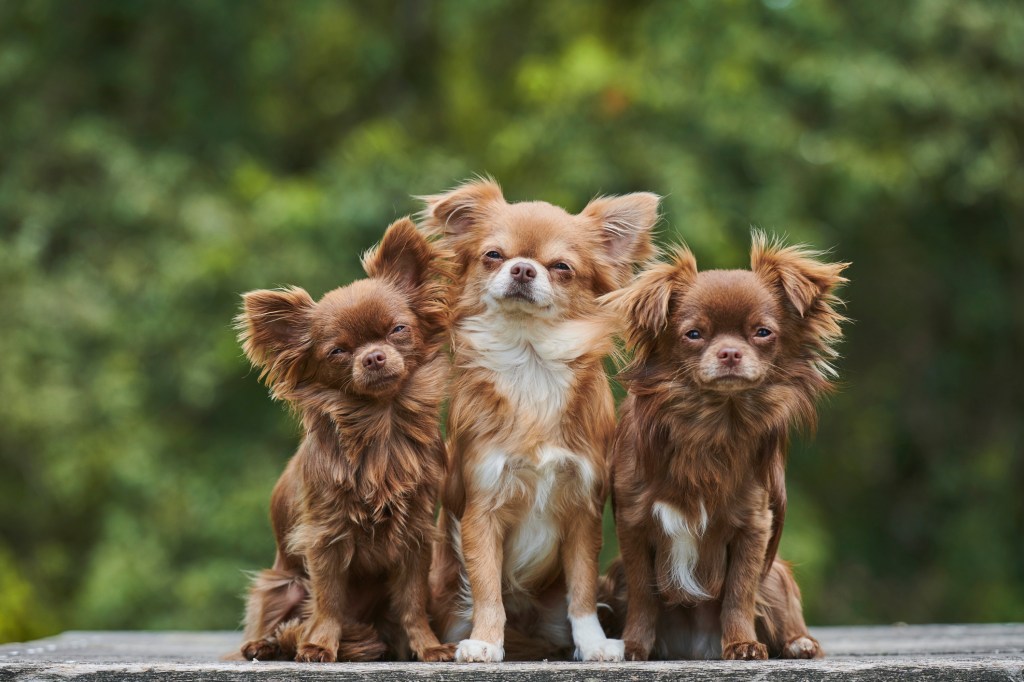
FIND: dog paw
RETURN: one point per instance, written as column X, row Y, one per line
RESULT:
column 745, row 651
column 608, row 650
column 802, row 647
column 437, row 654
column 634, row 651
column 478, row 651
column 311, row 653
column 260, row 650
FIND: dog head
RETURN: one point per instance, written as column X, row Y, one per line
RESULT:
column 733, row 330
column 363, row 339
column 536, row 259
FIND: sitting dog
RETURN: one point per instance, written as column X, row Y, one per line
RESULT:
column 530, row 419
column 726, row 362
column 353, row 513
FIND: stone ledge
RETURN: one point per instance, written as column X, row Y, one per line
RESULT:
column 945, row 652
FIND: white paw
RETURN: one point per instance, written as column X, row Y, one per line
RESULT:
column 609, row 650
column 478, row 651
column 802, row 647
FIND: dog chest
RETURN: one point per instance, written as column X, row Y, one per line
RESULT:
column 680, row 560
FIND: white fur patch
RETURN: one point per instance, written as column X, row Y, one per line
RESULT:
column 684, row 554
column 531, row 547
column 530, row 358
column 479, row 651
column 591, row 644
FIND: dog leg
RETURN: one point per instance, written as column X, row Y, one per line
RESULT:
column 580, row 550
column 641, row 603
column 327, row 565
column 783, row 619
column 409, row 593
column 739, row 596
column 483, row 549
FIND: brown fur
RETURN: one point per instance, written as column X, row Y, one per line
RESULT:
column 353, row 511
column 530, row 419
column 700, row 449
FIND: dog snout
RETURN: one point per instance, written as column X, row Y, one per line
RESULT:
column 375, row 359
column 729, row 356
column 523, row 273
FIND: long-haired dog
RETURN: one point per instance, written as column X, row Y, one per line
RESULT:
column 726, row 363
column 353, row 513
column 530, row 419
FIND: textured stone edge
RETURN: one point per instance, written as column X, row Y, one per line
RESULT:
column 980, row 667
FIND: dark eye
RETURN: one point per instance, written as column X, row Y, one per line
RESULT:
column 561, row 266
column 338, row 351
column 493, row 254
column 763, row 332
column 399, row 328
column 693, row 334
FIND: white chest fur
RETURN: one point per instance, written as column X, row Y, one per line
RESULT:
column 530, row 358
column 684, row 537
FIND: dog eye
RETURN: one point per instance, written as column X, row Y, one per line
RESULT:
column 561, row 266
column 338, row 351
column 763, row 332
column 493, row 254
column 399, row 328
column 693, row 334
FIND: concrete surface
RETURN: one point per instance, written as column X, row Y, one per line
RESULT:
column 940, row 652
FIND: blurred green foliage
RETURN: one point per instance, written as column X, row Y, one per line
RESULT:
column 157, row 159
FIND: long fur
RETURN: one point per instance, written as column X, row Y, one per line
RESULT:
column 699, row 460
column 353, row 511
column 530, row 419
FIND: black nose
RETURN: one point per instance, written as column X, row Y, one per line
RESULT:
column 730, row 357
column 523, row 272
column 375, row 360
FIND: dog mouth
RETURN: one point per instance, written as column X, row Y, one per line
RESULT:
column 519, row 293
column 730, row 382
column 375, row 382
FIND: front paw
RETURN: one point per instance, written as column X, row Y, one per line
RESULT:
column 311, row 653
column 802, row 647
column 479, row 651
column 635, row 651
column 437, row 654
column 745, row 651
column 260, row 650
column 609, row 650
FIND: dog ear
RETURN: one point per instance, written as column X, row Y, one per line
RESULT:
column 274, row 333
column 645, row 304
column 625, row 224
column 404, row 255
column 805, row 280
column 458, row 211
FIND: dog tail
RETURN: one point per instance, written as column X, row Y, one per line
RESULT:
column 359, row 643
column 611, row 599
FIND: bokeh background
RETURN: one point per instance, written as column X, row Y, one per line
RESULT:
column 158, row 158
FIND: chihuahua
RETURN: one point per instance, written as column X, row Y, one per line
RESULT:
column 725, row 363
column 353, row 513
column 530, row 419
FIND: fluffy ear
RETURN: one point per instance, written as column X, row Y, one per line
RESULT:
column 806, row 281
column 274, row 332
column 625, row 224
column 404, row 255
column 458, row 211
column 644, row 305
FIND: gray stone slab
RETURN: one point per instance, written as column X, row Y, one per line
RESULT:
column 943, row 652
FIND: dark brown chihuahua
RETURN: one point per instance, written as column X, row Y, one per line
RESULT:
column 353, row 513
column 726, row 362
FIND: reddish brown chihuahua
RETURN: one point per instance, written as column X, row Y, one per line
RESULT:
column 726, row 362
column 353, row 513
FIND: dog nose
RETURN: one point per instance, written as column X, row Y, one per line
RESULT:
column 523, row 272
column 730, row 357
column 375, row 360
